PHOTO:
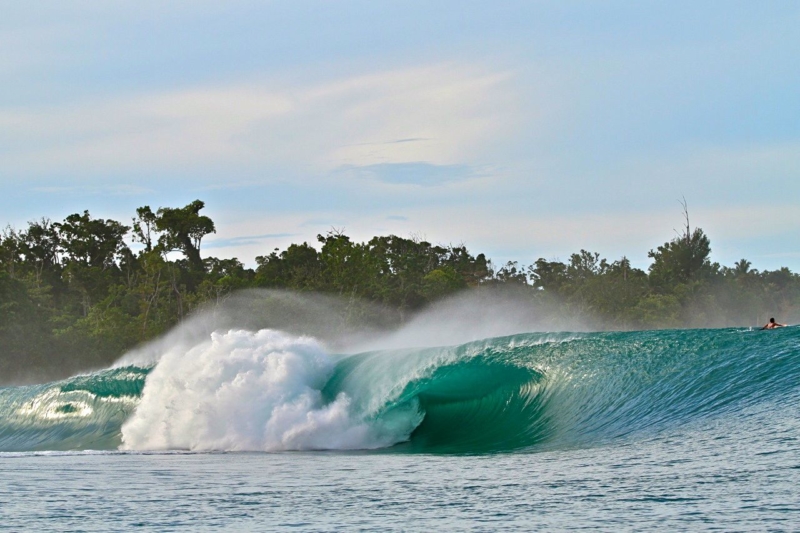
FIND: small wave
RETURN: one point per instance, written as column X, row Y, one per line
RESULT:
column 82, row 412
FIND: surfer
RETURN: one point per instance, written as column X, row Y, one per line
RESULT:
column 772, row 324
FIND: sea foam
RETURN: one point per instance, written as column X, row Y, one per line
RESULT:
column 248, row 391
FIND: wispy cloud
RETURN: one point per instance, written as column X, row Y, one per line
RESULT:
column 246, row 240
column 103, row 190
column 439, row 114
column 395, row 141
column 416, row 173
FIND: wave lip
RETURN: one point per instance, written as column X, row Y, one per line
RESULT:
column 480, row 396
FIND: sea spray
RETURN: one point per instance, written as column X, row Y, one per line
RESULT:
column 243, row 390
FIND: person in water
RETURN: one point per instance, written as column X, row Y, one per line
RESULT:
column 772, row 324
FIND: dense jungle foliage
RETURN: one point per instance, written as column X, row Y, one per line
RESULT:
column 74, row 295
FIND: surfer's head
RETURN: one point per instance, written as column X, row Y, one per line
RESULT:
column 771, row 320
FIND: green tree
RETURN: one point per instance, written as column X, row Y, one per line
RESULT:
column 90, row 251
column 11, row 243
column 298, row 267
column 511, row 273
column 40, row 247
column 615, row 292
column 346, row 268
column 182, row 229
column 548, row 275
column 24, row 333
column 441, row 282
column 683, row 260
column 473, row 270
column 144, row 227
column 94, row 243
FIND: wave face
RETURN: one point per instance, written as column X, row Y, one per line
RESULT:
column 270, row 391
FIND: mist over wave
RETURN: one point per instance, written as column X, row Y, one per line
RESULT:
column 346, row 326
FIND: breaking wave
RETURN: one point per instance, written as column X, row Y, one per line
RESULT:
column 267, row 390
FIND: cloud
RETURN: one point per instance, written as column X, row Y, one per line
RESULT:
column 158, row 130
column 438, row 114
column 106, row 190
column 248, row 240
column 416, row 173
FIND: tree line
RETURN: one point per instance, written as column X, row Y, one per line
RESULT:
column 75, row 295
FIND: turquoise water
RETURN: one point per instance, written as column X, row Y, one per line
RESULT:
column 690, row 430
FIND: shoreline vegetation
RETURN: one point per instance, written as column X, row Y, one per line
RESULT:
column 75, row 296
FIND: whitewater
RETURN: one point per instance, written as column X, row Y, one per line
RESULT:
column 686, row 429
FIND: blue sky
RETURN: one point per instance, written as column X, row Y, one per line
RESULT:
column 522, row 129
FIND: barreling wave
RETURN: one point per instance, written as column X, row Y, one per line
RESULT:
column 269, row 391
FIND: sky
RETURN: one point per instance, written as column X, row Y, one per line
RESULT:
column 522, row 129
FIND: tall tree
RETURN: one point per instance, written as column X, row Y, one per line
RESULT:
column 95, row 243
column 683, row 259
column 144, row 226
column 183, row 229
column 91, row 249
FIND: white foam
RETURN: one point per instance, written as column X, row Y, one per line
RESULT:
column 249, row 391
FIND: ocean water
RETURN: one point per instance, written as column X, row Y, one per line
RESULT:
column 262, row 430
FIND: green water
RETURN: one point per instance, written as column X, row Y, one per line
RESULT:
column 662, row 430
